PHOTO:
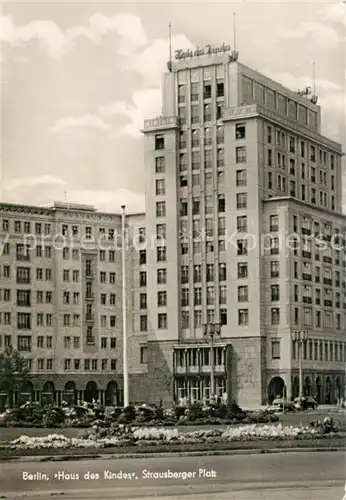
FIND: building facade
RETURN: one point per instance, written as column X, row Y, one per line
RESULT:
column 247, row 193
column 61, row 300
column 241, row 249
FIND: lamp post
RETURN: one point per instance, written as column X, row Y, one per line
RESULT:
column 300, row 337
column 124, row 308
column 212, row 329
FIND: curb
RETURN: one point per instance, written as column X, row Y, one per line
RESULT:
column 254, row 451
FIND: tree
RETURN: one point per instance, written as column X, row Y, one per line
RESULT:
column 14, row 372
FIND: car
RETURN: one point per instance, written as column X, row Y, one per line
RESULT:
column 305, row 403
column 279, row 404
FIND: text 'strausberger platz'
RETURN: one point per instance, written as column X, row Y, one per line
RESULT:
column 234, row 273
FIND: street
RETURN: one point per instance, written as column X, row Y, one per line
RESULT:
column 293, row 476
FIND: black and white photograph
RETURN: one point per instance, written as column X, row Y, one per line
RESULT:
column 173, row 250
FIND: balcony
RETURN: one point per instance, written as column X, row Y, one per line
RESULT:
column 23, row 257
column 328, row 260
column 328, row 303
column 23, row 281
column 161, row 122
column 90, row 318
column 327, row 281
column 89, row 274
column 306, row 230
column 307, row 300
column 23, row 303
column 307, row 277
column 90, row 296
column 306, row 255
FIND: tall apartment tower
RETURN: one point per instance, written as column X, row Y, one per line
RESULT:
column 244, row 195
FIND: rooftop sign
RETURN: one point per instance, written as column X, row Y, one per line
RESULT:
column 208, row 50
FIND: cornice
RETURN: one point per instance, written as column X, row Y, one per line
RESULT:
column 256, row 110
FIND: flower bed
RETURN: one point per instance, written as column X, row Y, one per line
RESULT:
column 34, row 415
column 122, row 436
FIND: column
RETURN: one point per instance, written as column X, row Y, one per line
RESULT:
column 102, row 398
column 288, row 384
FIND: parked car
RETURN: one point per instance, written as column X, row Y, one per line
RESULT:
column 305, row 403
column 279, row 404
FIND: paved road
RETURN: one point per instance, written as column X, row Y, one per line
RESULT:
column 284, row 476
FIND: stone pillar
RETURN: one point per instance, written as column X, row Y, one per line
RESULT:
column 288, row 384
column 102, row 397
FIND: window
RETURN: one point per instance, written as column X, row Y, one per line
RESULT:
column 240, row 131
column 243, row 317
column 242, row 201
column 207, row 113
column 223, row 294
column 242, row 247
column 240, row 154
column 275, row 316
column 161, row 254
column 242, row 224
column 142, row 278
column 184, row 274
column 220, row 136
column 161, row 209
column 275, row 293
column 160, row 187
column 142, row 257
column 23, row 321
column 162, row 321
column 291, row 144
column 159, row 164
column 207, row 91
column 143, row 300
column 274, row 246
column 24, row 344
column 161, row 299
column 274, row 269
column 144, row 355
column 210, row 272
column 185, row 320
column 222, row 271
column 143, row 323
column 194, row 113
column 276, row 349
column 243, row 294
column 274, row 223
column 221, row 203
column 220, row 89
column 242, row 270
column 241, row 178
column 161, row 276
column 159, row 142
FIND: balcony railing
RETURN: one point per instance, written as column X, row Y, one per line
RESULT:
column 307, row 277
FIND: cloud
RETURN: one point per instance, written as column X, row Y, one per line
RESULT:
column 29, row 190
column 318, row 33
column 145, row 103
column 32, row 182
column 151, row 62
column 85, row 121
column 335, row 12
column 56, row 42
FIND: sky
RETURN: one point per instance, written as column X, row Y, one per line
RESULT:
column 78, row 79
